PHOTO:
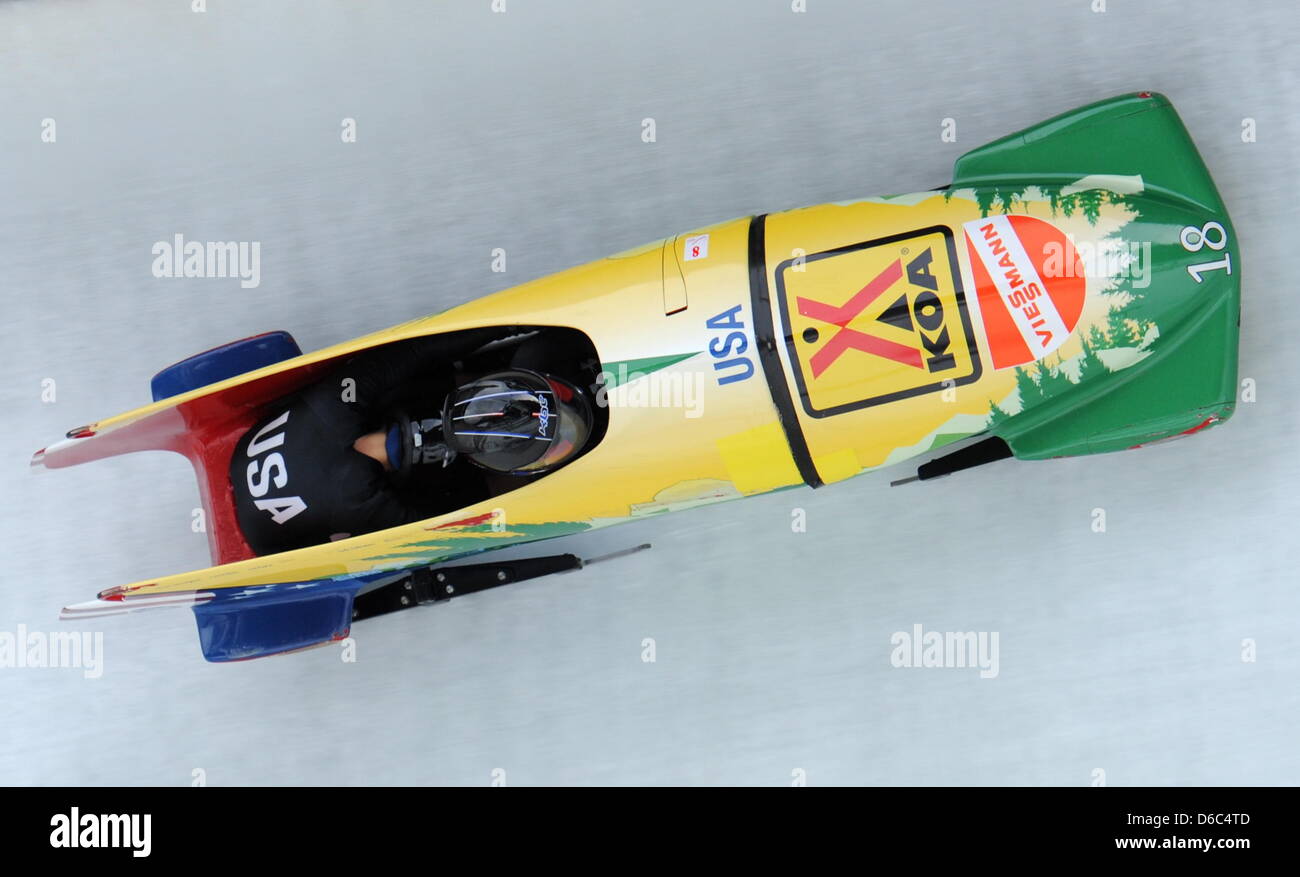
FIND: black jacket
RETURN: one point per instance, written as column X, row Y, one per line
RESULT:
column 297, row 479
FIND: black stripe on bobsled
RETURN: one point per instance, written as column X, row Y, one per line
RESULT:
column 765, row 337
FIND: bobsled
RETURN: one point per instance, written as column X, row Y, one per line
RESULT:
column 1075, row 290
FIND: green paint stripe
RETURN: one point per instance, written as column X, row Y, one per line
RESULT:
column 458, row 543
column 947, row 438
column 631, row 369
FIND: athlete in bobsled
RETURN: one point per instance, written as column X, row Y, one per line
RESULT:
column 396, row 436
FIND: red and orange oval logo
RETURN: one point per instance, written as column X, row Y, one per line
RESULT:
column 1029, row 284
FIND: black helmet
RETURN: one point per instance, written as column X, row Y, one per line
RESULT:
column 517, row 421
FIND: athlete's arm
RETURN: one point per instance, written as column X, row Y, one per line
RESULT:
column 375, row 446
column 366, row 500
column 354, row 398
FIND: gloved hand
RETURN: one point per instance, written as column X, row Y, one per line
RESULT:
column 416, row 443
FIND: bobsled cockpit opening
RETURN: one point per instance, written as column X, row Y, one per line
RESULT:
column 564, row 354
column 415, row 378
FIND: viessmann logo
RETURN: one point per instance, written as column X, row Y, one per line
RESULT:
column 1028, row 309
column 877, row 321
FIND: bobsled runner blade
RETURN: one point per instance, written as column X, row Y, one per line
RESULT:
column 101, row 607
column 614, row 555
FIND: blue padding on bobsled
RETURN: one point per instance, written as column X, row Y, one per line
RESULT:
column 223, row 362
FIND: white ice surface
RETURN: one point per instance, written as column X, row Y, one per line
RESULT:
column 1119, row 651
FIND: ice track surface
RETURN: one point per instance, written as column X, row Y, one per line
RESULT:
column 1119, row 651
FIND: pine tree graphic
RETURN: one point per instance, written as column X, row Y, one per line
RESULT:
column 1123, row 327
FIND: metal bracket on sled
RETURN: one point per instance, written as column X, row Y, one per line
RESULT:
column 990, row 450
column 426, row 585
